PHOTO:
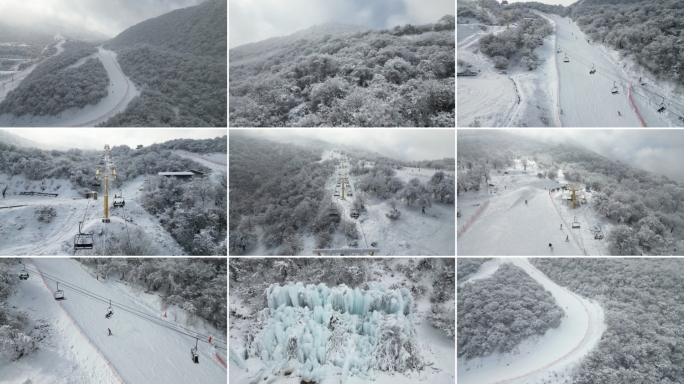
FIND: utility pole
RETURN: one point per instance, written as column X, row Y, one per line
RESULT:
column 103, row 175
column 507, row 16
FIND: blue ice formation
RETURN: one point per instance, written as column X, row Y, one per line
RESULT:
column 313, row 327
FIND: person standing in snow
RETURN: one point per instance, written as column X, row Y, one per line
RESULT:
column 110, row 332
column 525, row 202
column 567, row 237
column 561, row 226
column 423, row 209
column 619, row 114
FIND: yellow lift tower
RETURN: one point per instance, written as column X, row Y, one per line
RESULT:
column 104, row 175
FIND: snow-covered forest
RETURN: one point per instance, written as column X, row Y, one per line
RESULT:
column 113, row 320
column 315, row 319
column 330, row 75
column 497, row 313
column 642, row 209
column 55, row 86
column 189, row 215
column 180, row 61
column 641, row 297
column 281, row 196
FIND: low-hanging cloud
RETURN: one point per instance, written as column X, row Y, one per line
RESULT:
column 400, row 144
column 108, row 17
column 256, row 20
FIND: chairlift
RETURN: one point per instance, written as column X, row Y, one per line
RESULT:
column 110, row 312
column 614, row 91
column 354, row 213
column 592, row 70
column 23, row 275
column 59, row 294
column 119, row 200
column 661, row 107
column 598, row 235
column 193, row 353
column 575, row 224
column 82, row 240
column 559, row 49
column 333, row 211
column 97, row 183
column 566, row 60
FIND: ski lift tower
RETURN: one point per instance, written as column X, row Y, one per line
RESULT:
column 574, row 187
column 106, row 175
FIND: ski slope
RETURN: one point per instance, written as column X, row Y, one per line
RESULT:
column 138, row 351
column 540, row 359
column 22, row 234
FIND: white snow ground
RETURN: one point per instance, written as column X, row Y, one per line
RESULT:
column 585, row 100
column 509, row 227
column 120, row 92
column 22, row 234
column 545, row 359
column 138, row 351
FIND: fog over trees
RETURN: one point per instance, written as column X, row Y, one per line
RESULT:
column 499, row 312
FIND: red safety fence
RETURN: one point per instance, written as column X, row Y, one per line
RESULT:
column 203, row 158
column 220, row 360
column 97, row 349
column 472, row 218
column 564, row 356
column 634, row 107
column 567, row 226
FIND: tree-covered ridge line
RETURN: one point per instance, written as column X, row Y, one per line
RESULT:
column 648, row 208
column 178, row 60
column 499, row 312
column 398, row 77
column 468, row 266
column 51, row 88
column 641, row 298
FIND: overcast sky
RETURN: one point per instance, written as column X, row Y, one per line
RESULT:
column 400, row 144
column 659, row 151
column 109, row 17
column 96, row 138
column 256, row 20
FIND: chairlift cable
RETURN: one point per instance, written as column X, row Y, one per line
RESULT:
column 123, row 307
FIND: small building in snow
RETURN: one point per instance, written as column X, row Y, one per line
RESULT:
column 139, row 146
column 177, row 175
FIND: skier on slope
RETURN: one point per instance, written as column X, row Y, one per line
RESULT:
column 525, row 202
column 619, row 114
column 561, row 226
column 567, row 237
column 110, row 332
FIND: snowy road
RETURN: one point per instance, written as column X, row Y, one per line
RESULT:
column 546, row 359
column 140, row 351
column 120, row 92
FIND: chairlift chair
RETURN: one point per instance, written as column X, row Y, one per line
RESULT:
column 661, row 107
column 23, row 275
column 119, row 200
column 59, row 294
column 333, row 211
column 193, row 353
column 614, row 91
column 82, row 240
column 110, row 312
column 566, row 60
column 599, row 234
column 592, row 70
column 575, row 224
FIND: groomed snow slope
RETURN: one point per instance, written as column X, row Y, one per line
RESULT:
column 120, row 92
column 140, row 351
column 511, row 227
column 546, row 359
